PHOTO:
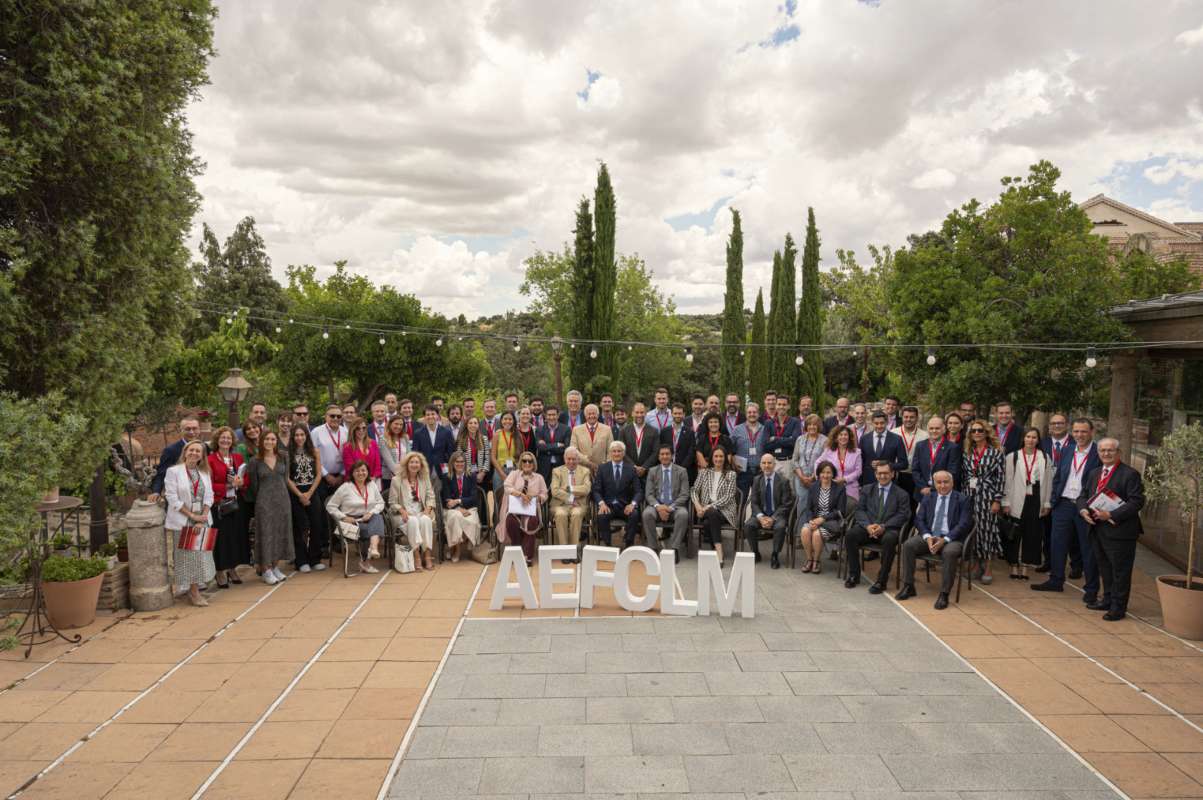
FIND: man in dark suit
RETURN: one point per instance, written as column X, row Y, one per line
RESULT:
column 932, row 456
column 189, row 432
column 667, row 493
column 944, row 519
column 680, row 438
column 642, row 441
column 781, row 431
column 880, row 444
column 1113, row 533
column 880, row 516
column 771, row 498
column 378, row 421
column 1010, row 435
column 1053, row 445
column 732, row 416
column 840, row 417
column 617, row 491
column 434, row 441
column 1069, row 483
column 550, row 443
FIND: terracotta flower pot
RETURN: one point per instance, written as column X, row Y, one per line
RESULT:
column 1181, row 608
column 72, row 604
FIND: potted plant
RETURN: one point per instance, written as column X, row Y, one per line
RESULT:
column 122, row 542
column 108, row 550
column 71, row 587
column 61, row 544
column 1177, row 477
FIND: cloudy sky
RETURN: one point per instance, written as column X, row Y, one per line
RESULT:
column 436, row 145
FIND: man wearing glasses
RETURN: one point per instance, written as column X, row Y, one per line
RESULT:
column 1058, row 442
column 300, row 416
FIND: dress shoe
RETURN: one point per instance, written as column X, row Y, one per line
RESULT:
column 1047, row 586
column 774, row 561
column 851, row 583
column 942, row 602
column 758, row 557
column 876, row 588
column 1043, row 568
column 1075, row 574
column 1090, row 599
column 1097, row 606
column 1114, row 616
column 907, row 591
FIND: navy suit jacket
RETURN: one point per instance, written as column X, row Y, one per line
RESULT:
column 960, row 516
column 548, row 453
column 450, row 491
column 1126, row 484
column 629, row 489
column 1014, row 439
column 892, row 450
column 686, row 447
column 948, row 459
column 437, row 452
column 1046, row 444
column 167, row 459
column 1061, row 475
column 372, row 429
column 740, row 419
column 781, row 442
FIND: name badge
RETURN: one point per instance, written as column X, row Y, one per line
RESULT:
column 1028, row 488
column 973, row 483
column 751, row 451
column 509, row 463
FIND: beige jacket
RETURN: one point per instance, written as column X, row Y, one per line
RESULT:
column 597, row 451
column 581, row 488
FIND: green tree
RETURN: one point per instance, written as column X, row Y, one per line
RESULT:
column 735, row 331
column 772, row 329
column 1026, row 269
column 583, row 270
column 787, row 325
column 810, row 317
column 238, row 275
column 758, row 357
column 190, row 374
column 96, row 199
column 606, row 281
column 1141, row 276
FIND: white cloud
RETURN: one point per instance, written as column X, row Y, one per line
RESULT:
column 381, row 132
column 1164, row 173
column 1190, row 38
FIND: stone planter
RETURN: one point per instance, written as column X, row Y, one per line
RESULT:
column 1181, row 608
column 72, row 604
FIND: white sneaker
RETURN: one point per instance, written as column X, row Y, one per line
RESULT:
column 303, row 568
column 366, row 567
column 280, row 576
column 318, row 567
column 270, row 578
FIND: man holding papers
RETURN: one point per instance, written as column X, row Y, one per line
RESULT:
column 1111, row 499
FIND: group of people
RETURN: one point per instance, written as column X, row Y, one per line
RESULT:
column 964, row 487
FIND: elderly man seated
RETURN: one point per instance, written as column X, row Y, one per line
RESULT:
column 943, row 522
column 570, row 486
column 667, row 494
column 617, row 491
column 771, row 497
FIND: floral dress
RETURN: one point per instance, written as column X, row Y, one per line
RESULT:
column 983, row 476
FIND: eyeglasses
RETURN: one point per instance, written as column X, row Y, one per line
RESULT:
column 334, row 416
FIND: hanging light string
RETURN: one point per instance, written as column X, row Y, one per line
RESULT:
column 382, row 330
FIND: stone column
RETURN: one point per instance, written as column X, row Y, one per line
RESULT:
column 149, row 575
column 1123, row 399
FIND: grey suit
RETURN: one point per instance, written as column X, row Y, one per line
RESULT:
column 783, row 500
column 892, row 514
column 679, row 494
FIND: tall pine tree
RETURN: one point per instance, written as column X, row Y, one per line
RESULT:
column 580, row 366
column 786, row 322
column 735, row 332
column 810, row 317
column 772, row 330
column 606, row 280
column 758, row 357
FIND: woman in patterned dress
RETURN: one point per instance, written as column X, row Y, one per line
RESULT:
column 188, row 490
column 983, row 470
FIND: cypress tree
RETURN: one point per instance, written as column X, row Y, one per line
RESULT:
column 771, row 328
column 758, row 362
column 810, row 316
column 786, row 370
column 731, row 372
column 580, row 366
column 606, row 279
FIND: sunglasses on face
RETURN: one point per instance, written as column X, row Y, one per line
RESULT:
column 978, row 430
column 300, row 413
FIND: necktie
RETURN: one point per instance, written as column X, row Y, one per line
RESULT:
column 617, row 472
column 877, row 451
column 768, row 497
column 666, row 481
column 881, row 508
column 939, row 527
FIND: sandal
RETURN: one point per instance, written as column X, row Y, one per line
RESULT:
column 808, row 567
column 197, row 600
column 232, row 576
column 818, row 568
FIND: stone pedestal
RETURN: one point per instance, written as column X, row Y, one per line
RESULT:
column 149, row 575
column 1123, row 399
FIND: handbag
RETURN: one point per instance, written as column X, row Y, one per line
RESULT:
column 348, row 530
column 484, row 553
column 227, row 507
column 198, row 538
column 403, row 559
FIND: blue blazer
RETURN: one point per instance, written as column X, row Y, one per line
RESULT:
column 628, row 490
column 960, row 516
column 437, row 452
column 551, row 454
column 1014, row 439
column 450, row 491
column 948, row 459
column 372, row 429
column 781, row 443
column 892, row 450
column 167, row 459
column 1046, row 444
column 1061, row 475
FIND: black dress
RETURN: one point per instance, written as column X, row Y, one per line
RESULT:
column 233, row 545
column 1026, row 539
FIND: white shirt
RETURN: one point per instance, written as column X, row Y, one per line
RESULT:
column 909, row 440
column 330, row 445
column 1073, row 485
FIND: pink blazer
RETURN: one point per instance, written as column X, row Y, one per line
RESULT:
column 372, row 458
column 537, row 488
column 851, row 472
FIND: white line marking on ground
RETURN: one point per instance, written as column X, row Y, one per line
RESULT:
column 66, row 652
column 1091, row 659
column 1157, row 628
column 1013, row 702
column 413, row 723
column 66, row 754
column 287, row 689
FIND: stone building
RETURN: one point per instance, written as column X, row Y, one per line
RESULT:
column 1127, row 228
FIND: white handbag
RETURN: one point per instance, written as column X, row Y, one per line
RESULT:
column 403, row 559
column 348, row 530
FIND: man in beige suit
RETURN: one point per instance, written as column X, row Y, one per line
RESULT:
column 570, row 487
column 592, row 439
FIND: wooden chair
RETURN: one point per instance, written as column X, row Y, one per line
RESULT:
column 938, row 561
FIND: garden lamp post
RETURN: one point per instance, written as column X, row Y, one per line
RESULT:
column 234, row 389
column 557, row 345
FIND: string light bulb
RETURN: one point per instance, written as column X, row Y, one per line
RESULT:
column 517, row 346
column 854, row 352
column 630, row 347
column 799, row 360
column 931, row 357
column 277, row 329
column 347, row 326
column 688, row 355
column 1092, row 358
column 438, row 342
column 593, row 353
column 325, row 333
column 741, row 353
column 382, row 340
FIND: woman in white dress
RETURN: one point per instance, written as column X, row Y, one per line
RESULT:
column 189, row 494
column 359, row 501
column 411, row 500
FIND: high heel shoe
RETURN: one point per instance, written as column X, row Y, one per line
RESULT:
column 808, row 567
column 818, row 568
column 197, row 600
column 232, row 576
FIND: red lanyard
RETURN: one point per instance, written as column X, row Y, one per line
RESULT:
column 638, row 440
column 526, row 438
column 779, row 426
column 337, row 436
column 1057, row 450
column 1029, row 467
column 905, row 443
column 460, row 483
column 713, row 440
column 195, row 485
column 489, row 428
column 472, row 450
column 413, row 487
column 1003, row 432
column 1074, row 466
column 841, row 455
column 978, row 455
column 553, row 434
column 364, row 495
column 508, row 439
column 662, row 417
column 934, row 452
column 1104, row 477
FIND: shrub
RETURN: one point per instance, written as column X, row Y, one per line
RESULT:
column 58, row 569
